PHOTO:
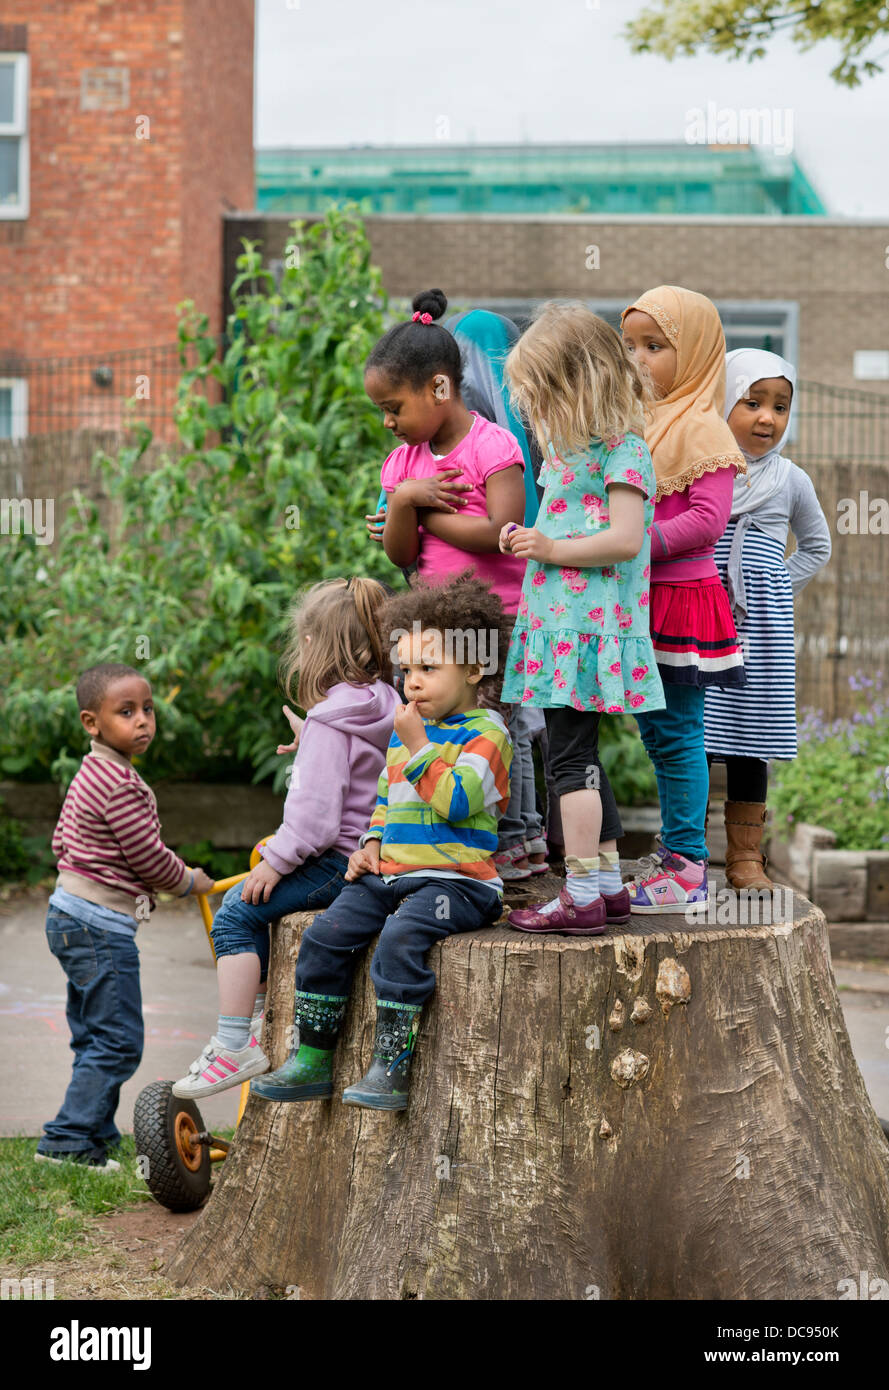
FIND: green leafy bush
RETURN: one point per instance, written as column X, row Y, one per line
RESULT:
column 282, row 451
column 841, row 778
column 626, row 763
column 14, row 862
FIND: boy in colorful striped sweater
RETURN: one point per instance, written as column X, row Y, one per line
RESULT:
column 111, row 861
column 424, row 869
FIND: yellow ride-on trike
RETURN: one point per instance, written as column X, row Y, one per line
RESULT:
column 173, row 1147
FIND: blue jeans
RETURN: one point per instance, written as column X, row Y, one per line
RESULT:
column 674, row 740
column 240, row 926
column 104, row 1012
column 410, row 915
column 521, row 820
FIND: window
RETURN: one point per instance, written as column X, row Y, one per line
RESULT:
column 13, row 408
column 770, row 324
column 13, row 135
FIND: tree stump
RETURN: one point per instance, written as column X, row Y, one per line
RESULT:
column 664, row 1112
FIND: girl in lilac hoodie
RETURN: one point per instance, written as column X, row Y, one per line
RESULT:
column 344, row 685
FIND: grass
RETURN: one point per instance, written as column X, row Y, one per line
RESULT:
column 45, row 1209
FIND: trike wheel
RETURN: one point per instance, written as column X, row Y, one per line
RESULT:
column 176, row 1172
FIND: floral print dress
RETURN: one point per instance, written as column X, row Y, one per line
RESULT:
column 582, row 635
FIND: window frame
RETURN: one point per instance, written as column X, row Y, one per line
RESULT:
column 19, row 388
column 18, row 127
column 788, row 309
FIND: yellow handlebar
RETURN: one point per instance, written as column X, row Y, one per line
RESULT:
column 222, row 885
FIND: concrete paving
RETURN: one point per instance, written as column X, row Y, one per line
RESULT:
column 178, row 985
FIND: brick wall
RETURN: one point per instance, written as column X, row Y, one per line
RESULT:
column 836, row 272
column 122, row 228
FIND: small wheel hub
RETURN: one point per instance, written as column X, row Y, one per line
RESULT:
column 187, row 1147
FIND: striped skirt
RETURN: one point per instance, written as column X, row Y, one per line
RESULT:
column 693, row 634
column 760, row 720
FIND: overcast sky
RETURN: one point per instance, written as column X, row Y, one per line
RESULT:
column 341, row 72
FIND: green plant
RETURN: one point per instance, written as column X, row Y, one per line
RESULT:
column 628, row 766
column 280, row 461
column 841, row 777
column 218, row 863
column 14, row 861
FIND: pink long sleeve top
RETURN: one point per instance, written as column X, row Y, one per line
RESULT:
column 687, row 526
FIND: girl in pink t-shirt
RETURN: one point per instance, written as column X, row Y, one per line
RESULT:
column 455, row 479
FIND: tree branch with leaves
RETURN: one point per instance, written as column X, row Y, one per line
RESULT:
column 738, row 29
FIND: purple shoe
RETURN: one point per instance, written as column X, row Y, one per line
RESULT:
column 617, row 907
column 568, row 919
column 679, row 885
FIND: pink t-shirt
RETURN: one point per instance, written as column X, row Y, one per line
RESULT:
column 485, row 450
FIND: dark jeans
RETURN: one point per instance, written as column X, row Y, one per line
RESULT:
column 574, row 760
column 410, row 915
column 674, row 740
column 747, row 779
column 104, row 1012
column 240, row 926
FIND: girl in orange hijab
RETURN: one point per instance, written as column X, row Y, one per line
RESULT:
column 677, row 336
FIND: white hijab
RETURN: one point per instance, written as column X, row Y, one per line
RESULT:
column 768, row 474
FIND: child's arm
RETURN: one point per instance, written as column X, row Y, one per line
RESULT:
column 505, row 501
column 314, row 802
column 477, row 781
column 151, row 861
column 809, row 525
column 401, row 540
column 621, row 539
column 709, row 509
column 366, row 859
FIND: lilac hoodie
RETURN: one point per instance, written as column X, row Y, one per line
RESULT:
column 333, row 788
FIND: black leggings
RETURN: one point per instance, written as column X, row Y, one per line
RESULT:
column 573, row 737
column 747, row 779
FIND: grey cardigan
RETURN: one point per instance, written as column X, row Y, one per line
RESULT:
column 796, row 506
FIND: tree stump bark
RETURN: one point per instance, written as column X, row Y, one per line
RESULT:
column 663, row 1112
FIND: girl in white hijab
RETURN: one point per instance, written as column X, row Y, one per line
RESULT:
column 748, row 726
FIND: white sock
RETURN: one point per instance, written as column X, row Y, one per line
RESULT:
column 233, row 1031
column 582, row 880
column 609, row 872
column 582, row 884
column 259, row 1004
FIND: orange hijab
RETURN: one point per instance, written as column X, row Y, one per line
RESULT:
column 688, row 436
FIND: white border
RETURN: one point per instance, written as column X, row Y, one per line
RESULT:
column 19, row 387
column 18, row 126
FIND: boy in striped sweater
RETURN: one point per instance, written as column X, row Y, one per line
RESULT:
column 424, row 869
column 111, row 861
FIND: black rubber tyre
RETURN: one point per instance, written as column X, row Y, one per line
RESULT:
column 157, row 1119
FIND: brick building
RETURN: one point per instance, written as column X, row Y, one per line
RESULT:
column 125, row 132
column 813, row 288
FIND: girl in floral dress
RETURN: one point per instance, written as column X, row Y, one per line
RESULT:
column 581, row 646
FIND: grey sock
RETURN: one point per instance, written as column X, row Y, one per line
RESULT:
column 233, row 1032
column 258, row 1004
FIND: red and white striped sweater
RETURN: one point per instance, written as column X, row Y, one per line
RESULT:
column 107, row 841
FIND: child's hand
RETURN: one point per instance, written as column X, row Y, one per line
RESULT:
column 257, row 886
column 364, row 861
column 503, row 542
column 296, row 725
column 376, row 524
column 530, row 544
column 202, row 884
column 440, row 493
column 410, row 728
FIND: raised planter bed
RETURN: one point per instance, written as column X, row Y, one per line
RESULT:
column 848, row 885
column 230, row 816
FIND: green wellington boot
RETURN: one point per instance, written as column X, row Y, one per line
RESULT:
column 385, row 1084
column 308, row 1071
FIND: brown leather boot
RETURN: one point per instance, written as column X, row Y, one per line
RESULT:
column 744, row 860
